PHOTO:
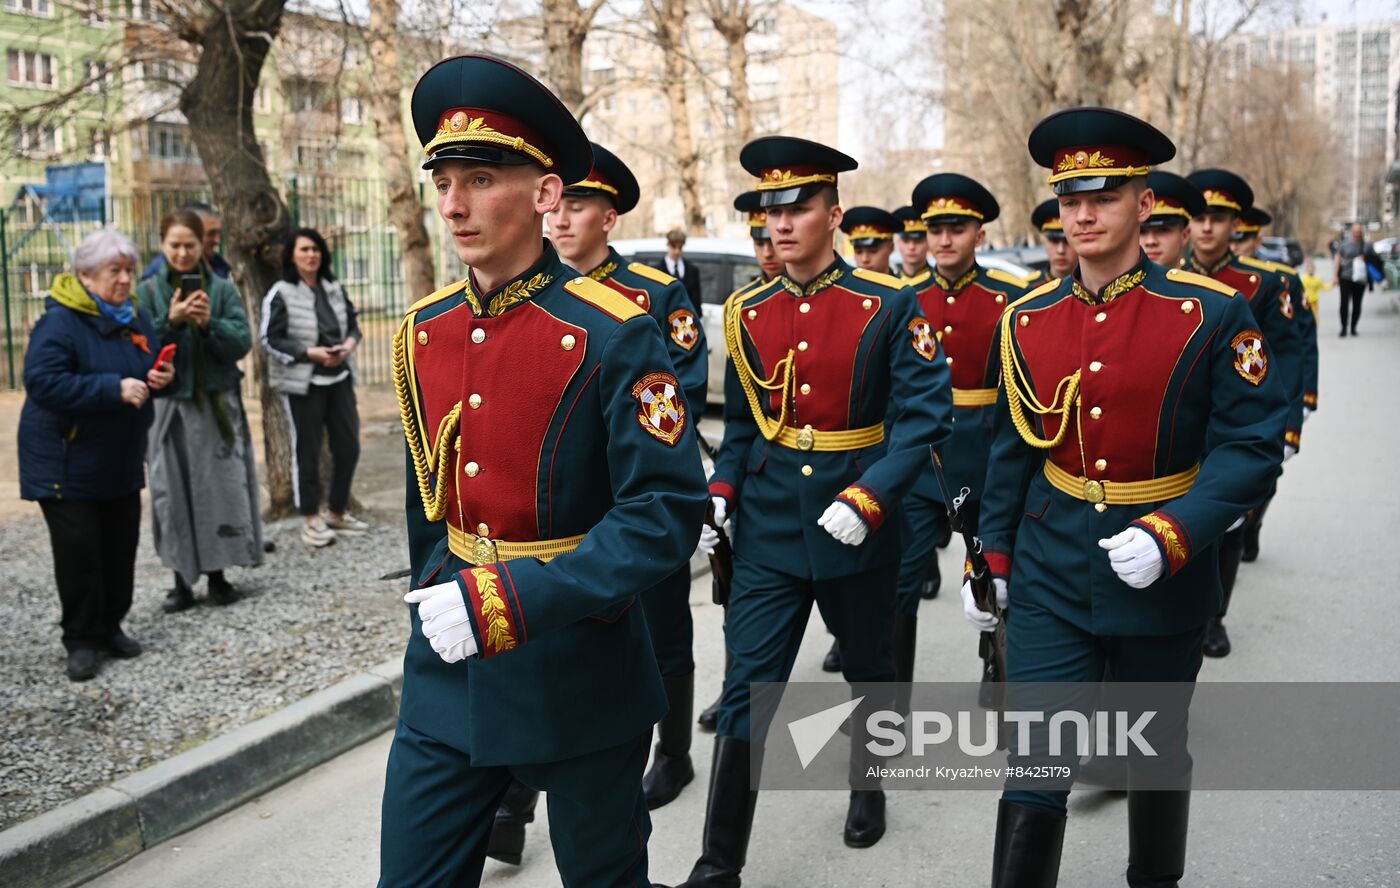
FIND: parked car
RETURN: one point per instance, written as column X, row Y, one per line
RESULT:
column 1280, row 249
column 726, row 264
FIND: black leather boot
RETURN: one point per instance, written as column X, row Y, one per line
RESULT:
column 671, row 769
column 1028, row 845
column 517, row 808
column 709, row 717
column 865, row 818
column 728, row 819
column 906, row 633
column 832, row 661
column 180, row 598
column 1157, row 824
column 932, row 580
column 1217, row 640
column 83, row 664
column 221, row 591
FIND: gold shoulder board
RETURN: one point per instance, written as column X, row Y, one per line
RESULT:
column 1007, row 277
column 604, row 298
column 438, row 295
column 1181, row 276
column 1038, row 291
column 651, row 274
column 876, row 277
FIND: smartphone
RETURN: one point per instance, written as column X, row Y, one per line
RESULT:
column 190, row 282
column 166, row 356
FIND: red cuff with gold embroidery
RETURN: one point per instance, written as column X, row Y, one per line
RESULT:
column 998, row 562
column 724, row 489
column 1171, row 538
column 1310, row 400
column 1293, row 438
column 865, row 503
column 489, row 598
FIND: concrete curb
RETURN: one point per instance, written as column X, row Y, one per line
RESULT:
column 90, row 835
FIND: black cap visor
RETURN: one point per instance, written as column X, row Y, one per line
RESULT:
column 1090, row 183
column 788, row 196
column 477, row 154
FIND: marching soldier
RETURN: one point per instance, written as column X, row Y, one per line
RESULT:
column 1166, row 232
column 912, row 241
column 811, row 474
column 1244, row 244
column 579, row 229
column 1046, row 219
column 1227, row 198
column 553, row 479
column 871, row 232
column 963, row 306
column 769, row 266
column 1140, row 412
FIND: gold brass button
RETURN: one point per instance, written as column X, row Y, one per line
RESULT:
column 806, row 389
column 568, row 342
column 1025, row 321
column 472, row 469
column 806, row 439
column 806, row 470
column 1187, row 307
column 478, row 335
column 1100, row 464
column 1101, row 316
column 641, row 300
column 950, row 360
column 805, row 307
column 948, row 328
column 1100, row 507
column 578, row 280
column 1253, row 278
column 1000, row 299
column 482, row 530
column 474, row 401
column 952, row 299
column 865, row 304
column 1095, row 366
column 1096, row 412
column 802, row 346
column 752, row 314
column 422, row 337
column 1094, row 492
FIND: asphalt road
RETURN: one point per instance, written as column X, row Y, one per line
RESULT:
column 1316, row 607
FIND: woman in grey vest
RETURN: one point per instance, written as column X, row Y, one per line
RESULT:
column 310, row 334
column 204, row 483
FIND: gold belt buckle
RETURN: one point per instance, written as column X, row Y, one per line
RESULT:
column 484, row 551
column 1093, row 492
column 805, row 439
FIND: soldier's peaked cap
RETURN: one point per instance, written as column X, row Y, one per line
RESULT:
column 911, row 220
column 609, row 178
column 790, row 170
column 1223, row 190
column 1046, row 218
column 481, row 108
column 953, row 197
column 1176, row 200
column 1093, row 148
column 750, row 202
column 1251, row 220
column 869, row 226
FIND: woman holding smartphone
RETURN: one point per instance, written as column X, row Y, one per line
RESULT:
column 204, row 486
column 309, row 332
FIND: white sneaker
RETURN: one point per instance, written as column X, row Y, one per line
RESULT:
column 347, row 523
column 316, row 534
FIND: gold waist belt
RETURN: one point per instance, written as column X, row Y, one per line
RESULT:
column 478, row 550
column 1121, row 493
column 808, row 438
column 974, row 397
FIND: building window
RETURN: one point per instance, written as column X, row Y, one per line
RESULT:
column 99, row 13
column 100, row 145
column 29, row 68
column 262, row 100
column 169, row 142
column 315, row 156
column 30, row 7
column 98, row 75
column 352, row 110
column 36, row 139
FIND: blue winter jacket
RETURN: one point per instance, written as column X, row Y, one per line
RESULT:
column 77, row 439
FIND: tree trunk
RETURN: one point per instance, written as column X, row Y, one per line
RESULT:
column 405, row 209
column 731, row 19
column 668, row 29
column 218, row 103
column 565, row 27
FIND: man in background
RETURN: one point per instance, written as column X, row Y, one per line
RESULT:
column 675, row 265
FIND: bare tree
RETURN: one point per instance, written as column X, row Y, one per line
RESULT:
column 566, row 24
column 667, row 19
column 405, row 207
column 734, row 21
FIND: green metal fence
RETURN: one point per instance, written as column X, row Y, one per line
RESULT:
column 351, row 214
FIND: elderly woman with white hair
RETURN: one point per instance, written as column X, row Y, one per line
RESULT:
column 89, row 374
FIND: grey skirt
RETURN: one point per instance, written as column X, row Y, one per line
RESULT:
column 204, row 491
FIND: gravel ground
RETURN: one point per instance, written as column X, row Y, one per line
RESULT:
column 308, row 619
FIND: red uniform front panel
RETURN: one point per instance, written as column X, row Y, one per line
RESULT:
column 965, row 323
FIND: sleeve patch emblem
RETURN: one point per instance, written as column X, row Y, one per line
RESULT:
column 660, row 410
column 684, row 332
column 923, row 340
column 1285, row 304
column 1250, row 360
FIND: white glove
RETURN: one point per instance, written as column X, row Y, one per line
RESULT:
column 842, row 522
column 1239, row 522
column 709, row 537
column 1135, row 557
column 446, row 624
column 1289, row 451
column 1308, row 412
column 984, row 621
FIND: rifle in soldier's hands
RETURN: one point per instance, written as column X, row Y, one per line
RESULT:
column 722, row 558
